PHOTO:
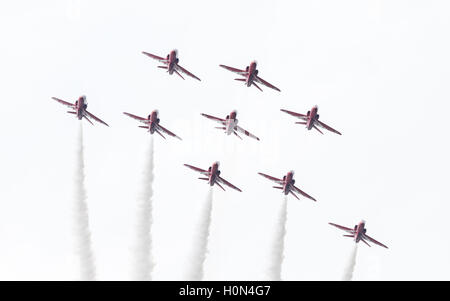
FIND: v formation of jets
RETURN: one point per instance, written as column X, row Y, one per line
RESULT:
column 250, row 77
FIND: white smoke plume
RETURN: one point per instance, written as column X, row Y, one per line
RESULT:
column 142, row 259
column 350, row 268
column 277, row 254
column 83, row 248
column 200, row 243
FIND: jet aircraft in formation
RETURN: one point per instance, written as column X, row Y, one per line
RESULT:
column 358, row 233
column 212, row 176
column 79, row 108
column 171, row 64
column 152, row 124
column 311, row 120
column 229, row 124
column 251, row 76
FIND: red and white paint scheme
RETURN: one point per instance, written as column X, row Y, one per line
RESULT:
column 358, row 233
column 171, row 63
column 229, row 124
column 287, row 185
column 213, row 176
column 311, row 120
column 152, row 124
column 79, row 109
column 251, row 76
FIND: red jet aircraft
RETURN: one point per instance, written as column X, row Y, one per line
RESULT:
column 251, row 76
column 171, row 64
column 358, row 233
column 79, row 109
column 287, row 185
column 229, row 124
column 213, row 176
column 311, row 120
column 152, row 124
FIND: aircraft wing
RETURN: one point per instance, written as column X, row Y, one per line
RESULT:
column 96, row 118
column 202, row 171
column 304, row 194
column 323, row 125
column 223, row 181
column 261, row 81
column 247, row 133
column 298, row 115
column 350, row 230
column 279, row 181
column 374, row 241
column 64, row 102
column 155, row 57
column 167, row 131
column 220, row 120
column 141, row 119
column 235, row 70
column 187, row 72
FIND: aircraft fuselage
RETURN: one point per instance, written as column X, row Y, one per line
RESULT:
column 153, row 121
column 214, row 173
column 172, row 61
column 288, row 182
column 81, row 105
column 251, row 74
column 359, row 231
column 312, row 117
column 231, row 123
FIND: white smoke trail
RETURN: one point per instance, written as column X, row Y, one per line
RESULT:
column 200, row 245
column 83, row 248
column 277, row 254
column 142, row 258
column 350, row 268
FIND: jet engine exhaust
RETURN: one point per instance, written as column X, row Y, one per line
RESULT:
column 83, row 247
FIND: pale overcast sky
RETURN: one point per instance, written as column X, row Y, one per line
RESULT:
column 378, row 70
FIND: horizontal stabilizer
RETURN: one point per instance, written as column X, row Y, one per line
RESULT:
column 220, row 186
column 317, row 129
column 220, row 128
column 362, row 239
column 162, row 67
column 143, row 126
column 206, row 179
column 237, row 135
column 300, row 122
column 277, row 187
column 160, row 134
column 71, row 112
column 347, row 235
column 178, row 74
column 240, row 79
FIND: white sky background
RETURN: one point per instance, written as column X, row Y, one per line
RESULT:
column 379, row 71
